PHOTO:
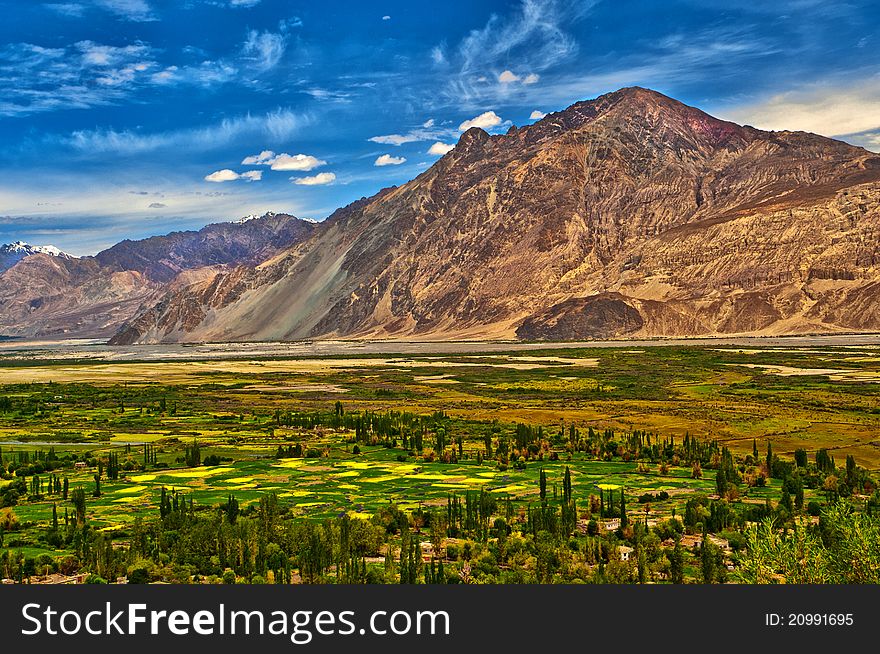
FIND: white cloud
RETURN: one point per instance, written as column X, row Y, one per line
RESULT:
column 314, row 180
column 440, row 148
column 227, row 175
column 536, row 115
column 438, row 55
column 508, row 77
column 244, row 3
column 388, row 160
column 428, row 123
column 224, row 175
column 265, row 157
column 386, row 17
column 303, row 162
column 485, row 120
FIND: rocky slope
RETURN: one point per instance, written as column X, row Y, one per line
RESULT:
column 52, row 295
column 630, row 214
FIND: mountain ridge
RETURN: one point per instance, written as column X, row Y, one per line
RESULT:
column 620, row 205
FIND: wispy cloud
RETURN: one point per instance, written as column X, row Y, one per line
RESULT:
column 278, row 125
column 85, row 74
column 428, row 131
column 138, row 11
column 70, row 9
column 34, row 78
column 263, row 50
column 536, row 37
column 680, row 59
column 536, row 115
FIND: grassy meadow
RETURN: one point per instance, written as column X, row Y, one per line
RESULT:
column 239, row 412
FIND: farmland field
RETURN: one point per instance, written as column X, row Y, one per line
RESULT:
column 340, row 433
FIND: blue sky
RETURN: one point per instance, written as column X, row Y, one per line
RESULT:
column 127, row 118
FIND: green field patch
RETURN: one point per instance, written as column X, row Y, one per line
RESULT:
column 382, row 479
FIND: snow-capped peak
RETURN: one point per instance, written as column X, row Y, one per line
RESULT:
column 12, row 253
column 252, row 216
column 28, row 249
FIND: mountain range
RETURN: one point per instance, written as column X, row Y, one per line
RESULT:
column 49, row 294
column 628, row 215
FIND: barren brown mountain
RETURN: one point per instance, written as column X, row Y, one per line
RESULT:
column 630, row 214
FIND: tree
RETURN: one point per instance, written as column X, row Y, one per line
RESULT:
column 785, row 501
column 707, row 560
column 721, row 482
column 676, row 562
column 78, row 498
column 139, row 576
column 542, row 484
column 566, row 485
